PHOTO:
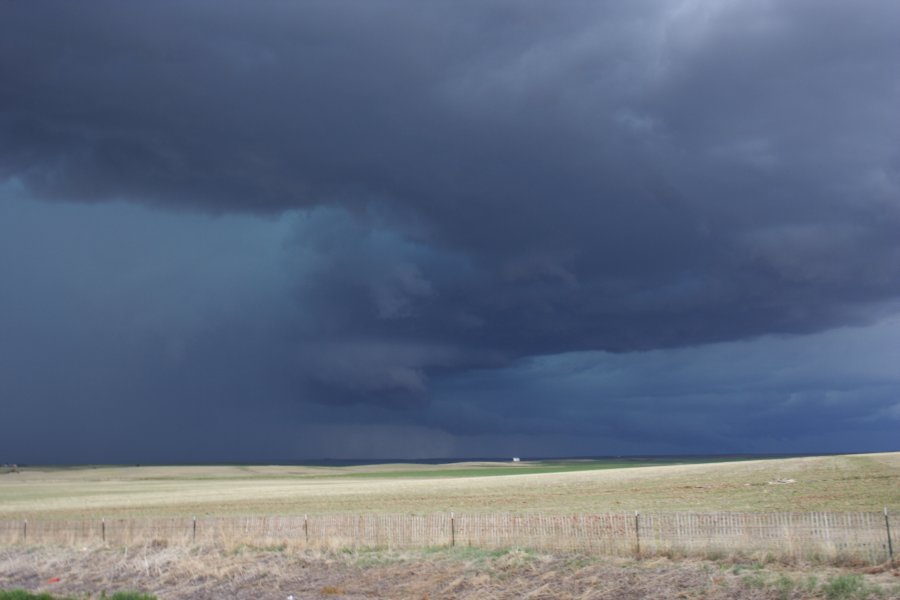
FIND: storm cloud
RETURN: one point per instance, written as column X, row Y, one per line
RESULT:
column 375, row 204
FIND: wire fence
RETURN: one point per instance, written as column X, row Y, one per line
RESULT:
column 854, row 536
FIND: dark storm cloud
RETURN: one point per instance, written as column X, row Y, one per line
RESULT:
column 486, row 181
column 134, row 335
column 828, row 392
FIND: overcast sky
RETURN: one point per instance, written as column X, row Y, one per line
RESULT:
column 287, row 230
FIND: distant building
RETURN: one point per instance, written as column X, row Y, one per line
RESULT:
column 516, row 459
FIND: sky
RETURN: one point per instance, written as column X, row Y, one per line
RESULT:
column 266, row 231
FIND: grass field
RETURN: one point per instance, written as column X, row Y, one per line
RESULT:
column 833, row 483
column 169, row 572
column 463, row 573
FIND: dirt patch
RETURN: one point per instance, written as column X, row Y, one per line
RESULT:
column 245, row 573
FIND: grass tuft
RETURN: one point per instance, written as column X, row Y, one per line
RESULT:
column 25, row 595
column 784, row 587
column 849, row 587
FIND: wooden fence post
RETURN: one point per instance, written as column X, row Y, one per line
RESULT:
column 637, row 533
column 452, row 530
column 194, row 531
column 306, row 528
column 103, row 530
column 887, row 526
column 25, row 531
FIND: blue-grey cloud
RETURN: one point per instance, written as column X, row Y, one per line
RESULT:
column 350, row 209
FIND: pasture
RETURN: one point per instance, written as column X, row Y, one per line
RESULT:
column 107, row 558
column 866, row 482
column 831, row 483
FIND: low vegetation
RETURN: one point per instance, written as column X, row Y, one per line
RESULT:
column 26, row 595
column 831, row 483
column 464, row 573
column 169, row 572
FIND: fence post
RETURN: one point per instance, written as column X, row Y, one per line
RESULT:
column 25, row 531
column 103, row 530
column 637, row 533
column 306, row 528
column 452, row 530
column 887, row 526
column 194, row 531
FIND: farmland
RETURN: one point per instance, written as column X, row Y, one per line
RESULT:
column 832, row 483
column 243, row 569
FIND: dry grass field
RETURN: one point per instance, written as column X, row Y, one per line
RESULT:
column 237, row 570
column 250, row 573
column 833, row 483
